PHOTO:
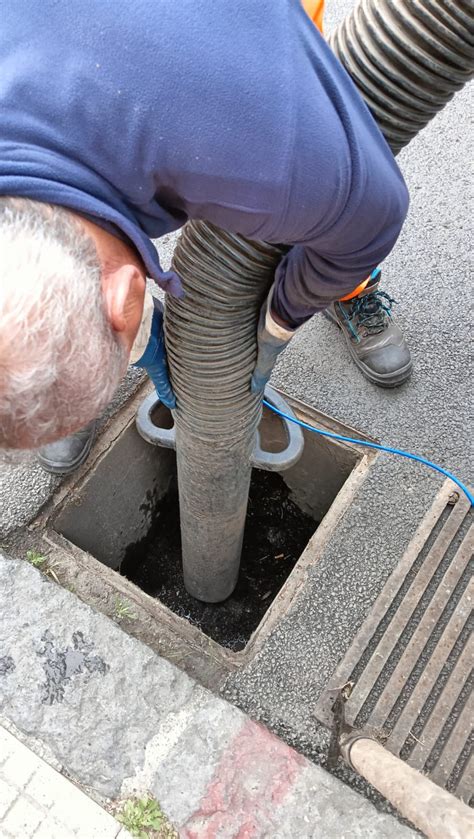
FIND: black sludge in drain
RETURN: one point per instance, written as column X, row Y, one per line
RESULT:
column 276, row 533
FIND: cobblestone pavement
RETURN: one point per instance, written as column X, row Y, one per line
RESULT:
column 36, row 802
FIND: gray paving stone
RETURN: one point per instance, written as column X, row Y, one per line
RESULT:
column 187, row 745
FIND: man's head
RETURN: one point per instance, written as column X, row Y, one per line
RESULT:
column 71, row 300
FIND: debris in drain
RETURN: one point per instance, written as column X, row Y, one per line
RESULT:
column 154, row 563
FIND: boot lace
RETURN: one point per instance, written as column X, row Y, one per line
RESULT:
column 372, row 312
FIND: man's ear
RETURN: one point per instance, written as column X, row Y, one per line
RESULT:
column 117, row 286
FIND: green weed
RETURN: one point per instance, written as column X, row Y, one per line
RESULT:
column 123, row 610
column 144, row 819
column 46, row 566
column 36, row 559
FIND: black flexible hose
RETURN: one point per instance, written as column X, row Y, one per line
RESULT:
column 210, row 339
column 407, row 58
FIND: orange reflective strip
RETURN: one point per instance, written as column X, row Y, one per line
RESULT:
column 315, row 10
column 356, row 291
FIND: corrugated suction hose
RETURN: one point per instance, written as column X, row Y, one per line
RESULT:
column 210, row 339
column 407, row 58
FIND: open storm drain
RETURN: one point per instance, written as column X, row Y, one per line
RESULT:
column 411, row 662
column 122, row 513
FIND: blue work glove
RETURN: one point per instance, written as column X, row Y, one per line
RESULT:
column 153, row 359
column 271, row 341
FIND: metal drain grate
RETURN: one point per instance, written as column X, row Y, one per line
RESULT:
column 412, row 661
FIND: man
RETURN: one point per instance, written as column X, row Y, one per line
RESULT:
column 117, row 124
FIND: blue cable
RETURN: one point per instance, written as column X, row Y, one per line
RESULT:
column 374, row 446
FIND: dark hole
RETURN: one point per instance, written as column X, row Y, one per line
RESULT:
column 276, row 533
column 161, row 417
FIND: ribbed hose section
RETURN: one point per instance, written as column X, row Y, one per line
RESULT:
column 408, row 58
column 210, row 339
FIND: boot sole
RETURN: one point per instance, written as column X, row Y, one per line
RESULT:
column 58, row 469
column 388, row 380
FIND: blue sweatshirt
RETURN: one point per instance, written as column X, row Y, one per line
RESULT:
column 142, row 115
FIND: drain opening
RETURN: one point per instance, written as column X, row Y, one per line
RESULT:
column 276, row 533
column 117, row 514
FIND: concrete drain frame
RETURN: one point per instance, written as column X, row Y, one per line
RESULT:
column 108, row 504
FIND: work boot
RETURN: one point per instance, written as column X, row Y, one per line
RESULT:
column 374, row 340
column 64, row 456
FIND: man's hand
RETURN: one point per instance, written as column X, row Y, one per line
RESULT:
column 154, row 361
column 272, row 339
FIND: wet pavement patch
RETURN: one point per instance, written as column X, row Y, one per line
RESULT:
column 60, row 665
column 276, row 534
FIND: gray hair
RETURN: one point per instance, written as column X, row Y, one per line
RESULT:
column 60, row 360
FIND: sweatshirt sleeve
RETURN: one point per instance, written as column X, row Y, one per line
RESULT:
column 330, row 260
